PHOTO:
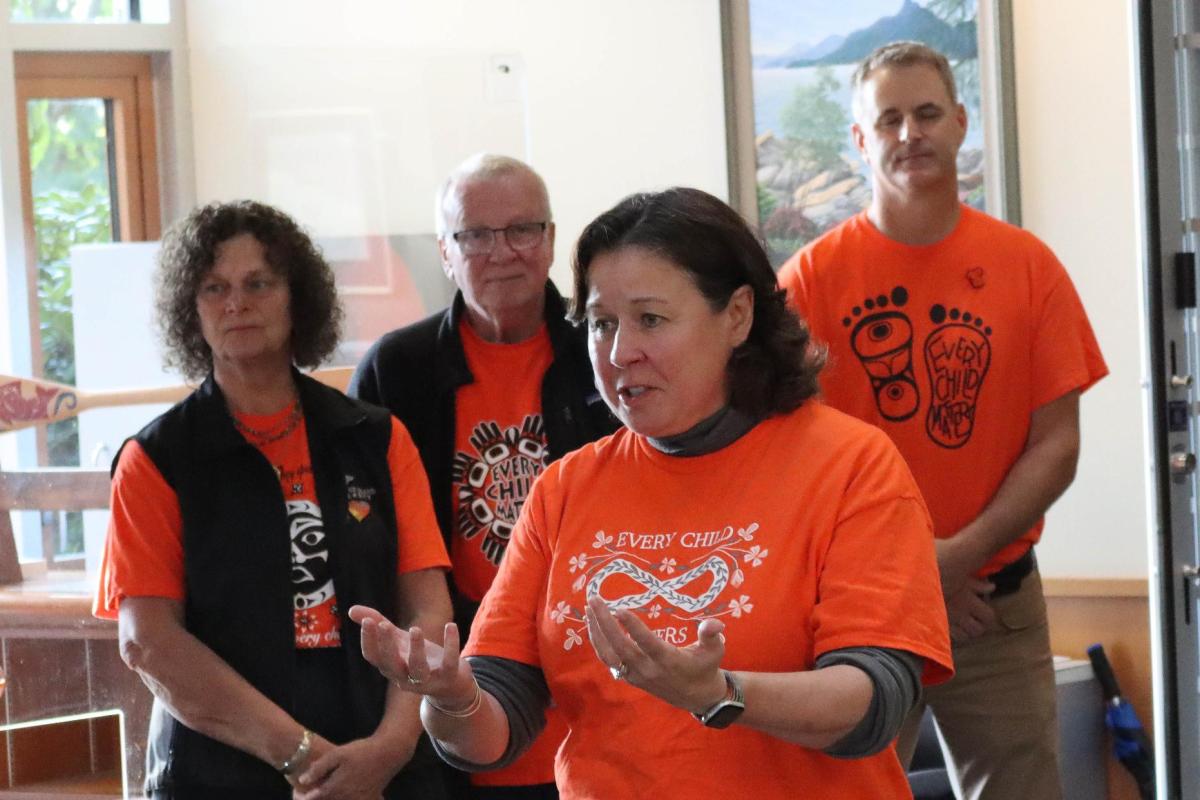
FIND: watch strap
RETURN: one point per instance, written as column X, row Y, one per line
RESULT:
column 733, row 700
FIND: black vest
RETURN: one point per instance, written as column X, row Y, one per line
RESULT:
column 237, row 563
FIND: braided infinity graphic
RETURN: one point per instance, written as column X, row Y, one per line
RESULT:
column 668, row 590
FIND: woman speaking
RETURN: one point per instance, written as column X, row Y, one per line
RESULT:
column 736, row 595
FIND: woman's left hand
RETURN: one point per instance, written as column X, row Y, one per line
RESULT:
column 686, row 677
column 352, row 771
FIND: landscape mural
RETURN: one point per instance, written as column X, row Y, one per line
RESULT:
column 809, row 176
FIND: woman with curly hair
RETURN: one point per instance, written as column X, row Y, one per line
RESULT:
column 754, row 572
column 247, row 518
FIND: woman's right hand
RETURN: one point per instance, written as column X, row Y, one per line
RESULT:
column 415, row 664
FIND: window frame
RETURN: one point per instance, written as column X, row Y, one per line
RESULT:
column 167, row 182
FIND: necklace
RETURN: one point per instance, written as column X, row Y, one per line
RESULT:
column 267, row 437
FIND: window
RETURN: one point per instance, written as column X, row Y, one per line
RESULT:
column 88, row 11
column 88, row 175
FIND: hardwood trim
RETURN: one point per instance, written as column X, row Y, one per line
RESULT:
column 74, row 65
column 148, row 153
column 42, row 615
column 1096, row 587
column 10, row 562
column 54, row 489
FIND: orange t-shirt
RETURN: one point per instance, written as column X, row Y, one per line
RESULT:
column 806, row 535
column 143, row 555
column 500, row 448
column 949, row 348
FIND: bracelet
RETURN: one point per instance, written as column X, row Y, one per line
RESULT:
column 470, row 710
column 290, row 766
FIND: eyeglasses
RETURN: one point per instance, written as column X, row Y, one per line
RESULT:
column 213, row 291
column 520, row 236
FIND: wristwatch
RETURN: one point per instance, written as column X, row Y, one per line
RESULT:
column 728, row 708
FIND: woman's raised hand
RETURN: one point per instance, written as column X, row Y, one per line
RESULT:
column 686, row 677
column 412, row 662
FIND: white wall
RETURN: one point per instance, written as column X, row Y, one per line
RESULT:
column 602, row 98
column 609, row 98
column 1076, row 137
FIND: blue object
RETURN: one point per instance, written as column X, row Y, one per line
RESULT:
column 1129, row 737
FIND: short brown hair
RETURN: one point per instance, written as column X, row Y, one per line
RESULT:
column 775, row 369
column 189, row 250
column 901, row 54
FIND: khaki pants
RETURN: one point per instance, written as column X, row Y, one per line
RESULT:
column 997, row 716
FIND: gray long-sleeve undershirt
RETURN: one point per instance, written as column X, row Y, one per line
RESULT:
column 522, row 693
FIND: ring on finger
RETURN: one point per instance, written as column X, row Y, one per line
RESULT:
column 414, row 680
column 619, row 672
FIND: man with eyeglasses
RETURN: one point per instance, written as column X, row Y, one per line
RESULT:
column 491, row 389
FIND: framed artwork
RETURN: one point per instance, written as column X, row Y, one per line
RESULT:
column 792, row 164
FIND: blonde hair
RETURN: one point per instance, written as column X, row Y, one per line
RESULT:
column 900, row 54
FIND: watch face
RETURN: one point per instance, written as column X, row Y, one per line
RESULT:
column 725, row 714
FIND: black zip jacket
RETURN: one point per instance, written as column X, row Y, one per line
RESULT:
column 415, row 372
column 237, row 567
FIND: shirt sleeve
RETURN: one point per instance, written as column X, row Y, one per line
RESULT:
column 420, row 540
column 506, row 624
column 1065, row 354
column 143, row 552
column 879, row 584
column 363, row 384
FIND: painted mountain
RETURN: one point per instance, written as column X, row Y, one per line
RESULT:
column 913, row 22
column 801, row 52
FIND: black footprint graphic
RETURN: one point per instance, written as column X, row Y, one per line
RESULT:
column 957, row 355
column 883, row 343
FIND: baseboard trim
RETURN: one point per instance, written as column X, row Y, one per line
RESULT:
column 1096, row 587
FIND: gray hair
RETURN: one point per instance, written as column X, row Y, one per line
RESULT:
column 483, row 166
column 900, row 54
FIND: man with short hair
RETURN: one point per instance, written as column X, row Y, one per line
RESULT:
column 964, row 339
column 492, row 389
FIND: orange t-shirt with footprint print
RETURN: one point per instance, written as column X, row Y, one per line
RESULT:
column 143, row 555
column 806, row 535
column 948, row 347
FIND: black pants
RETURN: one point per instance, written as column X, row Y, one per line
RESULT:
column 540, row 791
column 424, row 784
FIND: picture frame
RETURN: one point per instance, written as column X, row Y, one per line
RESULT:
column 793, row 171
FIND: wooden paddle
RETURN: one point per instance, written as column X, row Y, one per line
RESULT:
column 30, row 401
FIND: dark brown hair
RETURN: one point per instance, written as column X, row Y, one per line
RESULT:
column 775, row 369
column 188, row 251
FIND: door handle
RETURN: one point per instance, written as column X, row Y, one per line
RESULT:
column 1190, row 574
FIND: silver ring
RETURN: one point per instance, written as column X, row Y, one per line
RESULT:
column 413, row 680
column 619, row 672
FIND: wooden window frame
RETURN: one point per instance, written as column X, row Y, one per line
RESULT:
column 127, row 80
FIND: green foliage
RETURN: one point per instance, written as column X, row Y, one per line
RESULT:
column 68, row 143
column 63, row 219
column 766, row 203
column 966, row 78
column 781, row 248
column 816, row 119
column 66, row 10
column 952, row 12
